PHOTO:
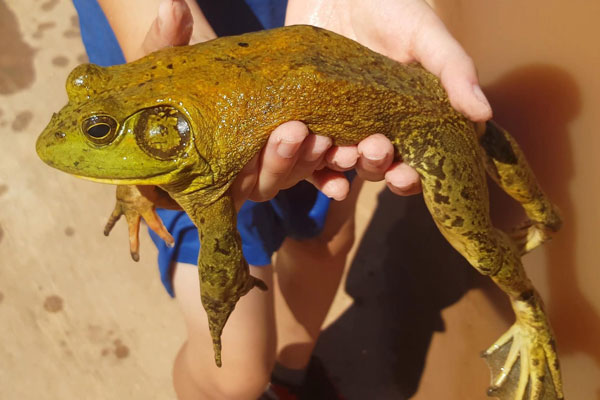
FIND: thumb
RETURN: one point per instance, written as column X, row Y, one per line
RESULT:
column 441, row 54
column 172, row 27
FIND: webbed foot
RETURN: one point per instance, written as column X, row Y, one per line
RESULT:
column 132, row 204
column 533, row 233
column 529, row 236
column 523, row 362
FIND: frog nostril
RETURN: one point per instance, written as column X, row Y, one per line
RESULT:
column 59, row 135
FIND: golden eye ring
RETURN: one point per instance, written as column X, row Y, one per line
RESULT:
column 100, row 129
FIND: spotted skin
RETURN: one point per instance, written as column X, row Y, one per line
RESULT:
column 189, row 118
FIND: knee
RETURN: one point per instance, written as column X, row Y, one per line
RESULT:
column 247, row 385
column 492, row 254
column 233, row 381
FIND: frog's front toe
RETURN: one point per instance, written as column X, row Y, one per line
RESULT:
column 132, row 204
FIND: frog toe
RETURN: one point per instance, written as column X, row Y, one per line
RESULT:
column 529, row 236
column 112, row 220
column 523, row 367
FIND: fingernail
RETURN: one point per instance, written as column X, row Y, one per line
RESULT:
column 480, row 96
column 287, row 149
column 374, row 159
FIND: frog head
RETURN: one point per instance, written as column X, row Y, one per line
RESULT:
column 124, row 127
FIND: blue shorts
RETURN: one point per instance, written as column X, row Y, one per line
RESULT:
column 298, row 212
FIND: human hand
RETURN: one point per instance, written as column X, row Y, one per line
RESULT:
column 407, row 31
column 291, row 153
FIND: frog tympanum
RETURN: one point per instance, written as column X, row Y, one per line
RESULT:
column 187, row 119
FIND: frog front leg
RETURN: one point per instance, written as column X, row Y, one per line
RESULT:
column 135, row 206
column 223, row 271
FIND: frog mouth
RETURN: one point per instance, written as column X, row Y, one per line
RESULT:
column 146, row 180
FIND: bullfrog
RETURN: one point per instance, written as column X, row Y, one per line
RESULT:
column 187, row 120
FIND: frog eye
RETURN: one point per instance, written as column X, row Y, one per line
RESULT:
column 163, row 132
column 100, row 129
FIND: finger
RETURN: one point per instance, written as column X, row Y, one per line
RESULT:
column 310, row 156
column 441, row 54
column 342, row 158
column 403, row 180
column 172, row 27
column 278, row 158
column 376, row 155
column 333, row 184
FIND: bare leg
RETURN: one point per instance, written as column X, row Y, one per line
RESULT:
column 249, row 342
column 249, row 338
column 312, row 267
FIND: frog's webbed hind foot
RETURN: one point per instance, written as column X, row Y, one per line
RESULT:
column 132, row 204
column 530, row 235
column 524, row 364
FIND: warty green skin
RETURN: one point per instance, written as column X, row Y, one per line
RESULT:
column 232, row 92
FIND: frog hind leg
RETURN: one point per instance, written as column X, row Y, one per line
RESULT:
column 455, row 191
column 507, row 166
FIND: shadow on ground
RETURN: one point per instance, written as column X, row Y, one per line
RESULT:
column 404, row 274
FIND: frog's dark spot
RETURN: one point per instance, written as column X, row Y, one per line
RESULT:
column 141, row 84
column 60, row 61
column 216, row 83
column 219, row 249
column 153, row 67
column 202, row 220
column 459, row 221
column 49, row 5
column 3, row 189
column 76, row 163
column 553, row 344
column 526, row 296
column 465, row 194
column 53, row 304
column 439, row 198
column 496, row 145
column 170, row 66
column 21, row 121
column 83, row 58
column 438, row 185
column 16, row 62
column 69, row 231
column 243, row 44
column 219, row 59
column 59, row 135
column 535, row 361
column 121, row 351
column 437, row 169
column 70, row 33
